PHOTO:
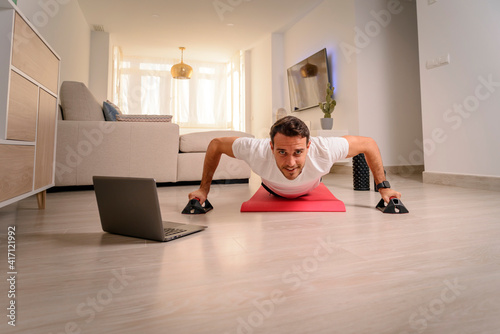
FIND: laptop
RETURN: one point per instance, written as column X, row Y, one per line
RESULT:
column 129, row 206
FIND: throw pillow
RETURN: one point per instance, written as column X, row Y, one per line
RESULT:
column 115, row 106
column 110, row 112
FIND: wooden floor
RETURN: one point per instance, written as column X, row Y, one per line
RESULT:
column 434, row 270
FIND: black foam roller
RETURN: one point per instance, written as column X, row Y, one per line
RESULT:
column 360, row 173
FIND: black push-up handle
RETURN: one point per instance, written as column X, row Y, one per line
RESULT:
column 394, row 206
column 194, row 207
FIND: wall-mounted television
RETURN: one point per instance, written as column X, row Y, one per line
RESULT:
column 307, row 81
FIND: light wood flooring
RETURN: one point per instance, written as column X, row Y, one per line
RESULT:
column 434, row 270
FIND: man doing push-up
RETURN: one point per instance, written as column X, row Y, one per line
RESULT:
column 290, row 162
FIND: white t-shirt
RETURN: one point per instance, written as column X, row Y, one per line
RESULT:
column 323, row 152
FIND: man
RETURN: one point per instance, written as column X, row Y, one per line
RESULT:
column 291, row 163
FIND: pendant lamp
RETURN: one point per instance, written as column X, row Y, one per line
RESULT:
column 309, row 70
column 181, row 70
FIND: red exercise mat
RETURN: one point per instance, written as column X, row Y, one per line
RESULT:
column 319, row 200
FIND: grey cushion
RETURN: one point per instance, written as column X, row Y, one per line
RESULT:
column 198, row 141
column 78, row 103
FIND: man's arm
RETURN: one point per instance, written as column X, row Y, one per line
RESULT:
column 368, row 146
column 216, row 148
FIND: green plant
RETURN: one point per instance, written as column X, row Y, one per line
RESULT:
column 328, row 106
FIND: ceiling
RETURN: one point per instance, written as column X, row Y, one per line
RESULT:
column 211, row 30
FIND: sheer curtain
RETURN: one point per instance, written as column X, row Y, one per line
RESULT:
column 201, row 101
column 144, row 86
column 210, row 99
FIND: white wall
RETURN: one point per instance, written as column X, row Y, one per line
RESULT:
column 376, row 76
column 100, row 65
column 247, row 72
column 63, row 26
column 261, row 104
column 460, row 101
column 266, row 75
column 388, row 79
column 327, row 26
column 278, row 74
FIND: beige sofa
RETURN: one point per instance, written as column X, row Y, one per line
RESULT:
column 88, row 145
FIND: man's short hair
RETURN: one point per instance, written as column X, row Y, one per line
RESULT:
column 290, row 126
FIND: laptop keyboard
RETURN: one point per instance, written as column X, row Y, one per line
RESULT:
column 170, row 231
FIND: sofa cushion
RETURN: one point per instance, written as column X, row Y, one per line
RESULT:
column 78, row 103
column 144, row 118
column 190, row 168
column 198, row 141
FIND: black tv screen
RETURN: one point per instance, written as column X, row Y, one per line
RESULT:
column 307, row 81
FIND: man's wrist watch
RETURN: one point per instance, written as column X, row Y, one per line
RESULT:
column 384, row 184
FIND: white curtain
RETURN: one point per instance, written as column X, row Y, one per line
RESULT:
column 145, row 86
column 207, row 100
column 201, row 101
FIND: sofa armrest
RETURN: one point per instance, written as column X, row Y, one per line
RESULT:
column 142, row 149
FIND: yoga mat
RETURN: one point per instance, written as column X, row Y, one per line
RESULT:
column 319, row 200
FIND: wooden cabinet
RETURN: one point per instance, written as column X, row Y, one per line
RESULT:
column 32, row 56
column 22, row 108
column 16, row 170
column 29, row 79
column 45, row 140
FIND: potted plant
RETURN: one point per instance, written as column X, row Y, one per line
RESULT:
column 327, row 108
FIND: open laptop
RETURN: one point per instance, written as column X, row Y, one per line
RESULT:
column 129, row 206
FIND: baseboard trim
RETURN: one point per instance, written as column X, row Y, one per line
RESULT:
column 399, row 170
column 405, row 170
column 463, row 180
column 158, row 184
column 341, row 169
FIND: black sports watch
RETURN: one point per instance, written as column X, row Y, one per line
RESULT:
column 384, row 184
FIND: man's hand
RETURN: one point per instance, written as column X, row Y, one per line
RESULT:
column 215, row 149
column 369, row 147
column 200, row 194
column 387, row 193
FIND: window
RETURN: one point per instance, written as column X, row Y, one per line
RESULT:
column 210, row 99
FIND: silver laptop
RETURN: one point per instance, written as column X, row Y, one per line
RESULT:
column 129, row 206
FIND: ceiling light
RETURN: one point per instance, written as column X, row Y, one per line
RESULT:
column 181, row 70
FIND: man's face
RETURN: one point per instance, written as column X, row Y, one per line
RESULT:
column 290, row 154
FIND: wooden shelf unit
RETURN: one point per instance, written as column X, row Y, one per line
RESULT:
column 29, row 81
